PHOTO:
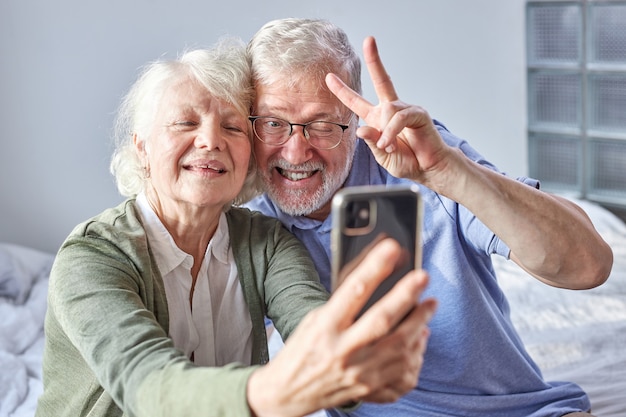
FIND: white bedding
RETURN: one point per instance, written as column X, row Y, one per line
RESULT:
column 577, row 336
column 23, row 288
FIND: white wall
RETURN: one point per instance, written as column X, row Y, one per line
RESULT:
column 65, row 64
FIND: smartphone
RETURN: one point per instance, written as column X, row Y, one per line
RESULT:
column 364, row 215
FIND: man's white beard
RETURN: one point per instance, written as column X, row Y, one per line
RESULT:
column 300, row 202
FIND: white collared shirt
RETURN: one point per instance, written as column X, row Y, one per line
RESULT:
column 218, row 329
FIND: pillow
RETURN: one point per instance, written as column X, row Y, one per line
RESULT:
column 20, row 268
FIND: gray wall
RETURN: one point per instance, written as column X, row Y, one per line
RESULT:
column 66, row 63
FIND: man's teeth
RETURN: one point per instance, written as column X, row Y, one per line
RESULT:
column 295, row 176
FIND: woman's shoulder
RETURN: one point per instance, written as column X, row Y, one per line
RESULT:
column 124, row 216
column 117, row 228
column 114, row 239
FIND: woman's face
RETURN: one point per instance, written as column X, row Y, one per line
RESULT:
column 197, row 151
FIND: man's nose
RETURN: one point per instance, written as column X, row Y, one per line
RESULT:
column 297, row 149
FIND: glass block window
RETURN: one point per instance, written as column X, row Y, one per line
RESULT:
column 607, row 33
column 556, row 99
column 555, row 33
column 556, row 160
column 607, row 102
column 608, row 159
column 576, row 57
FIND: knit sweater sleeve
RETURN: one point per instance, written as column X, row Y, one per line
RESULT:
column 274, row 262
column 106, row 336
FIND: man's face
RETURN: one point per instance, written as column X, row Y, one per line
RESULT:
column 298, row 177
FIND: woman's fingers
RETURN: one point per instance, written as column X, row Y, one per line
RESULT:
column 384, row 315
column 331, row 359
column 391, row 366
column 350, row 297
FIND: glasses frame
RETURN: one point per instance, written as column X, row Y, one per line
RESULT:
column 305, row 132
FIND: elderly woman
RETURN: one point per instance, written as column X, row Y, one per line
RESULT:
column 157, row 306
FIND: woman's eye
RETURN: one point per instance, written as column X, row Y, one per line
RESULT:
column 185, row 123
column 235, row 128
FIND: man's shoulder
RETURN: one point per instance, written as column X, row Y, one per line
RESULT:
column 262, row 204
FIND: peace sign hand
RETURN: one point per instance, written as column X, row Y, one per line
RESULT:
column 402, row 137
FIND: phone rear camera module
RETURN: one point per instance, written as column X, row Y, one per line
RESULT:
column 359, row 214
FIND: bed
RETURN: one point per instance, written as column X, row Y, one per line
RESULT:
column 23, row 286
column 578, row 336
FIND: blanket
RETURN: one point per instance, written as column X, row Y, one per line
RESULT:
column 23, row 288
column 577, row 336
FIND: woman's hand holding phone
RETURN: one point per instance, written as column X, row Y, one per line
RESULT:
column 336, row 356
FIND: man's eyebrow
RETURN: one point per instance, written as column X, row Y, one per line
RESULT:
column 323, row 117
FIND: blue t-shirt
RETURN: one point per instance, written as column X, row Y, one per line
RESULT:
column 475, row 364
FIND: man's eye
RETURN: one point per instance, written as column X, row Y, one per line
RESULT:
column 274, row 124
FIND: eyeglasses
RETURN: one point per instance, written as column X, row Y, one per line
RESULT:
column 275, row 131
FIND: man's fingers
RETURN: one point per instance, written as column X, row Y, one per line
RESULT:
column 380, row 79
column 348, row 96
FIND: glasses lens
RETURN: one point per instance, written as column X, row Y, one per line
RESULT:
column 324, row 135
column 271, row 130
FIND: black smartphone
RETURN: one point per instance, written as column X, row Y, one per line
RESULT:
column 364, row 215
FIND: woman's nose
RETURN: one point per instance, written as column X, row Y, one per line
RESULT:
column 209, row 135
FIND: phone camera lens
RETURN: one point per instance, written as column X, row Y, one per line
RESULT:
column 358, row 214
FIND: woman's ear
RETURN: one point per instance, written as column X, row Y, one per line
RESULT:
column 140, row 145
column 142, row 153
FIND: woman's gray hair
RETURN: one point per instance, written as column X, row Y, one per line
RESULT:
column 297, row 48
column 225, row 72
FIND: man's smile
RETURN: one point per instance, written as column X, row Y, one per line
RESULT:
column 295, row 175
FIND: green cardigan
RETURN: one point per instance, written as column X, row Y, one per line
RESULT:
column 107, row 350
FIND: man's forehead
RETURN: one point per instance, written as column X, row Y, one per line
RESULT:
column 302, row 100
